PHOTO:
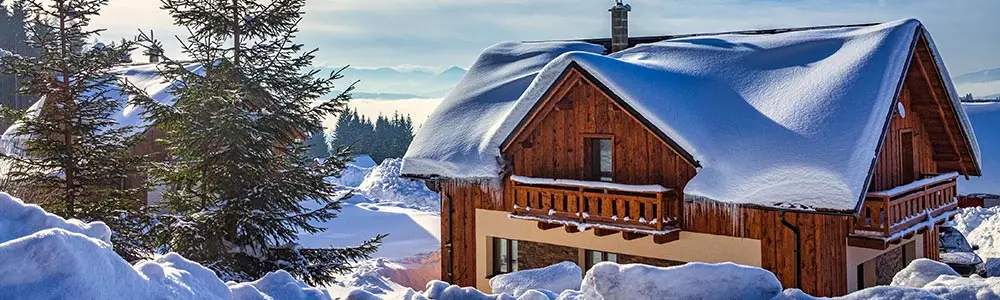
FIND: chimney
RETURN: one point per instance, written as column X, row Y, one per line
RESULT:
column 619, row 26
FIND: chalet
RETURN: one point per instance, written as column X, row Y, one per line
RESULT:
column 827, row 155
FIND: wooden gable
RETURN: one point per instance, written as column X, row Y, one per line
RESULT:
column 550, row 142
column 927, row 129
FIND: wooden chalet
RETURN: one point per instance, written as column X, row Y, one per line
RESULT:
column 585, row 169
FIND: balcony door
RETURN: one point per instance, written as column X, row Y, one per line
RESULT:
column 600, row 158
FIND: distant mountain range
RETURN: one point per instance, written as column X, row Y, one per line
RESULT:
column 979, row 77
column 983, row 84
column 394, row 84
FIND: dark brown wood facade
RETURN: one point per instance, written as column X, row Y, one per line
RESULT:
column 552, row 143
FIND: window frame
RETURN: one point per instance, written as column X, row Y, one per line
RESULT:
column 911, row 171
column 499, row 260
column 592, row 156
column 588, row 257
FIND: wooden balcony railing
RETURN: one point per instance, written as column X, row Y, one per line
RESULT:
column 888, row 212
column 651, row 208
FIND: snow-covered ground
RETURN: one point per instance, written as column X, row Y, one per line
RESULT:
column 383, row 202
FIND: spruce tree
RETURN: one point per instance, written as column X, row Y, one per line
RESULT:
column 241, row 186
column 73, row 158
column 317, row 143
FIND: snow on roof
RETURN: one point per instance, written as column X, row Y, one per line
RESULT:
column 142, row 76
column 461, row 137
column 790, row 120
column 985, row 119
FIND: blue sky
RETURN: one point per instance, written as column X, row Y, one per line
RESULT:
column 440, row 33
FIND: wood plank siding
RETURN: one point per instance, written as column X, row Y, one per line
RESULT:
column 552, row 143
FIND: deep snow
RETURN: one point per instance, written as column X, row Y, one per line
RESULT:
column 43, row 256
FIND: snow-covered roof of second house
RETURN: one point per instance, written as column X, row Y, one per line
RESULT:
column 789, row 120
column 142, row 76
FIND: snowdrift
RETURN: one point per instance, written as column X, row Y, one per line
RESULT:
column 558, row 277
column 385, row 184
column 43, row 256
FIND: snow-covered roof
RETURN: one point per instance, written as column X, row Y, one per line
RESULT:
column 985, row 119
column 789, row 120
column 142, row 76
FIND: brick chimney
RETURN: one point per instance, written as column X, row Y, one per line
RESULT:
column 619, row 26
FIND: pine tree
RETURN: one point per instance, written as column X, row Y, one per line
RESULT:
column 241, row 188
column 317, row 144
column 75, row 158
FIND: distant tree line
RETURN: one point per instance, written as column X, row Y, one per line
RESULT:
column 386, row 137
column 13, row 39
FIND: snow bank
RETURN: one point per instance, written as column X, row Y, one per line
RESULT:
column 384, row 184
column 690, row 281
column 277, row 285
column 354, row 172
column 56, row 263
column 558, row 277
column 18, row 219
column 920, row 272
column 43, row 256
column 811, row 147
column 971, row 218
column 987, row 237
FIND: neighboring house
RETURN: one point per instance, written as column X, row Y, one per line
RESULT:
column 827, row 155
column 143, row 76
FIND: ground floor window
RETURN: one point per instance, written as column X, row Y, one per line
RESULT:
column 504, row 256
column 592, row 257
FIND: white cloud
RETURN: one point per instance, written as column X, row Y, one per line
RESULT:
column 453, row 32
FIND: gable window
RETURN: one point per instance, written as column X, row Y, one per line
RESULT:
column 601, row 159
column 504, row 256
column 909, row 170
column 594, row 257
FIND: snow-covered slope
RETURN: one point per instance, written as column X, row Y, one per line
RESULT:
column 810, row 147
column 985, row 119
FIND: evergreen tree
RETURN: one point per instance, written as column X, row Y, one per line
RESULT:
column 75, row 158
column 317, row 144
column 241, row 186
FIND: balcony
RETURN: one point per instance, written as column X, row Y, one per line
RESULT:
column 633, row 210
column 897, row 214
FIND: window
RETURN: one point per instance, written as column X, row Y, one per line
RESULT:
column 906, row 141
column 504, row 256
column 593, row 257
column 601, row 159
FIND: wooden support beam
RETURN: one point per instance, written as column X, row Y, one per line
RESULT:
column 895, row 241
column 867, row 243
column 547, row 226
column 922, row 230
column 604, row 232
column 572, row 229
column 906, row 236
column 628, row 236
column 944, row 120
column 666, row 238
